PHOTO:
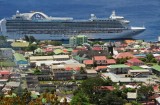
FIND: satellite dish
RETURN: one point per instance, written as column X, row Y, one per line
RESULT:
column 17, row 12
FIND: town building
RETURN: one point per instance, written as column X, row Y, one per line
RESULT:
column 101, row 68
column 91, row 73
column 124, row 55
column 139, row 73
column 135, row 62
column 111, row 61
column 78, row 40
column 6, row 53
column 61, row 57
column 100, row 60
column 88, row 63
column 20, row 60
column 156, row 69
column 118, row 68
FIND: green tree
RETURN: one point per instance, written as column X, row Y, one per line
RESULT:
column 135, row 103
column 149, row 57
column 55, row 43
column 121, row 60
column 109, row 57
column 32, row 39
column 80, row 99
column 142, row 59
column 112, row 99
column 90, row 87
column 31, row 47
column 82, row 71
column 2, row 40
column 145, row 91
column 153, row 60
column 26, row 38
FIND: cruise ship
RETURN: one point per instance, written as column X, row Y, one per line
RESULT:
column 43, row 27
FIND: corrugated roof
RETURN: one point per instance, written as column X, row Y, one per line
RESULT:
column 20, row 44
column 118, row 66
column 111, row 61
column 58, row 51
column 124, row 55
column 19, row 57
column 70, row 49
column 88, row 61
column 156, row 67
column 100, row 57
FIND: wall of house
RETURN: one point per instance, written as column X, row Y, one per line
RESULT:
column 118, row 70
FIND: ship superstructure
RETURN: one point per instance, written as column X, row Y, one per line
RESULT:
column 41, row 26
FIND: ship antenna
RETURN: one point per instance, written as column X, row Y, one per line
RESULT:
column 113, row 13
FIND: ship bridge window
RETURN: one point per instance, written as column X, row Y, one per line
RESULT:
column 37, row 16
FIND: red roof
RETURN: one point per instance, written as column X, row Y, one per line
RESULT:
column 111, row 61
column 75, row 51
column 4, row 72
column 88, row 62
column 124, row 55
column 157, row 57
column 154, row 96
column 135, row 60
column 77, row 68
column 156, row 88
column 96, row 48
column 68, row 68
column 110, row 88
column 99, row 58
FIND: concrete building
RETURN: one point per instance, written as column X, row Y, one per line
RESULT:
column 103, row 47
column 139, row 73
column 118, row 69
column 78, row 40
column 100, row 60
column 61, row 57
column 40, row 58
column 135, row 62
column 91, row 73
column 6, row 53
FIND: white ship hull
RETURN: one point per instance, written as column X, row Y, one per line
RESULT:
column 123, row 35
column 42, row 27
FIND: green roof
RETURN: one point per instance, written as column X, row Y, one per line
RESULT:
column 79, row 58
column 136, row 67
column 70, row 49
column 20, row 44
column 19, row 57
column 34, row 96
column 156, row 67
column 7, row 63
column 44, row 100
column 119, row 66
column 58, row 51
column 13, row 95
